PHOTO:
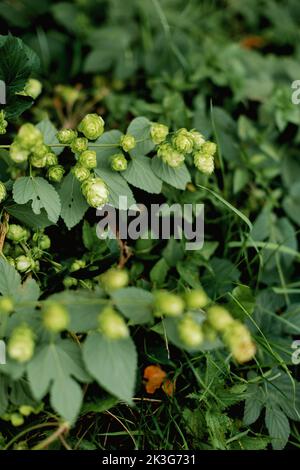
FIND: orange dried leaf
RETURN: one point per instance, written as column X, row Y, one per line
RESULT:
column 252, row 42
column 155, row 376
column 168, row 387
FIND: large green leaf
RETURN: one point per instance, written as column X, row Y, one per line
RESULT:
column 135, row 303
column 10, row 279
column 278, row 427
column 74, row 205
column 117, row 187
column 140, row 129
column 140, row 174
column 25, row 214
column 49, row 132
column 177, row 177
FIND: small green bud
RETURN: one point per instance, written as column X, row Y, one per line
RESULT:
column 114, row 278
column 92, row 126
column 118, row 162
column 24, row 263
column 204, row 163
column 29, row 136
column 95, row 192
column 2, row 192
column 208, row 148
column 112, row 325
column 158, row 132
column 3, row 122
column 183, row 141
column 67, row 93
column 81, row 173
column 77, row 264
column 21, row 344
column 17, row 153
column 219, row 317
column 16, row 233
column 16, row 419
column 55, row 173
column 70, row 282
column 33, row 88
column 79, row 145
column 38, row 161
column 42, row 240
column 198, row 139
column 51, row 159
column 6, row 304
column 127, row 142
column 55, row 317
column 26, row 410
column 40, row 150
column 190, row 332
column 196, row 299
column 170, row 156
column 66, row 136
column 88, row 159
column 168, row 304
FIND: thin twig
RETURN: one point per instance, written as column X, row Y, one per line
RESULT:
column 63, row 428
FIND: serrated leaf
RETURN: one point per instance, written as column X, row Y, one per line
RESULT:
column 74, row 205
column 10, row 279
column 135, row 303
column 140, row 129
column 176, row 177
column 25, row 214
column 112, row 363
column 42, row 194
column 139, row 173
column 278, row 427
column 49, row 132
column 117, row 187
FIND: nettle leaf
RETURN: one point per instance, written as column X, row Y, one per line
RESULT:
column 117, row 187
column 278, row 427
column 176, row 177
column 10, row 279
column 74, row 205
column 140, row 174
column 135, row 303
column 140, row 129
column 25, row 214
column 112, row 363
column 49, row 132
column 111, row 145
column 42, row 194
column 53, row 368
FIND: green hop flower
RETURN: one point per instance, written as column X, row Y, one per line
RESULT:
column 41, row 150
column 112, row 325
column 42, row 241
column 29, row 136
column 170, row 156
column 17, row 153
column 196, row 299
column 24, row 263
column 37, row 161
column 2, row 192
column 158, row 132
column 55, row 173
column 190, row 332
column 67, row 93
column 77, row 264
column 81, row 173
column 114, row 278
column 17, row 234
column 198, row 139
column 238, row 339
column 204, row 163
column 16, row 419
column 219, row 318
column 183, row 141
column 21, row 344
column 127, row 142
column 88, row 159
column 79, row 145
column 26, row 410
column 208, row 148
column 118, row 162
column 95, row 192
column 3, row 122
column 70, row 282
column 51, row 159
column 55, row 317
column 168, row 304
column 66, row 136
column 6, row 304
column 33, row 88
column 92, row 126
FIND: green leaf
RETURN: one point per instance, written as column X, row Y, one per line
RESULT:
column 176, row 177
column 111, row 145
column 49, row 132
column 242, row 301
column 113, row 363
column 253, row 405
column 278, row 427
column 117, row 187
column 25, row 214
column 140, row 174
column 74, row 205
column 189, row 273
column 10, row 279
column 52, row 368
column 159, row 272
column 42, row 194
column 140, row 129
column 135, row 304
